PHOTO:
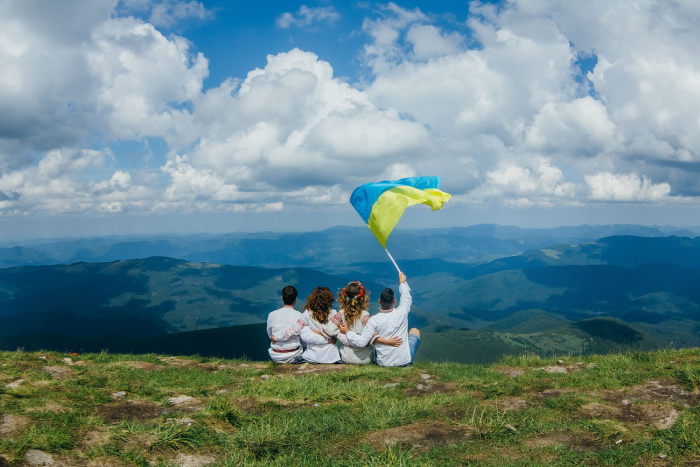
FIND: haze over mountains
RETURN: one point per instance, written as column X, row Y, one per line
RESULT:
column 548, row 290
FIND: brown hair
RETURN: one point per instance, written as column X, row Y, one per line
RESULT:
column 319, row 304
column 353, row 299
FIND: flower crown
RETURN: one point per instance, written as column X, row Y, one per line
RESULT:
column 359, row 294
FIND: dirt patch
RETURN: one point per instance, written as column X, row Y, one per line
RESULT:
column 140, row 410
column 95, row 438
column 51, row 407
column 424, row 388
column 662, row 391
column 577, row 442
column 512, row 372
column 12, row 423
column 242, row 366
column 139, row 365
column 420, row 436
column 193, row 460
column 509, row 403
column 553, row 393
column 190, row 405
column 185, row 363
column 654, row 415
column 60, row 373
column 307, row 368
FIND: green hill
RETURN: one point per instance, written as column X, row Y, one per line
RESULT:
column 108, row 409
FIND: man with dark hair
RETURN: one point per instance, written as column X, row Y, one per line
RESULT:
column 286, row 327
column 390, row 322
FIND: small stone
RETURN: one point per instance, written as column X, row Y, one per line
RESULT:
column 672, row 362
column 68, row 361
column 265, row 377
column 553, row 369
column 43, row 357
column 279, row 376
column 619, row 441
column 14, row 384
column 511, row 428
column 560, row 362
column 119, row 394
column 420, row 387
column 390, row 385
column 424, row 376
column 662, row 456
column 315, row 405
column 591, row 365
column 179, row 399
column 38, row 458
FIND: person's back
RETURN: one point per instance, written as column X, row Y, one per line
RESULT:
column 389, row 323
column 354, row 303
column 284, row 326
column 320, row 348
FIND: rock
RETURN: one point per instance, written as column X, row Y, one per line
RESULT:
column 265, row 377
column 68, row 361
column 511, row 428
column 420, row 387
column 14, row 384
column 38, row 458
column 619, row 441
column 119, row 394
column 391, row 385
column 424, row 376
column 560, row 362
column 179, row 399
column 662, row 456
column 42, row 357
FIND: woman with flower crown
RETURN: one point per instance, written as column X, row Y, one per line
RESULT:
column 354, row 305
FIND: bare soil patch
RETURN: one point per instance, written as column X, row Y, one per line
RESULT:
column 138, row 365
column 141, row 410
column 420, row 436
column 577, row 442
column 60, row 373
column 663, row 391
column 431, row 388
column 186, row 363
column 193, row 460
column 307, row 368
column 242, row 366
column 654, row 415
column 12, row 423
column 509, row 403
column 95, row 438
column 51, row 407
column 553, row 393
column 512, row 372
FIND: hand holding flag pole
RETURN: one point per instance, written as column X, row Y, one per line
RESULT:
column 382, row 204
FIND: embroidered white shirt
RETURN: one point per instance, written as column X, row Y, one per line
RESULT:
column 388, row 324
column 286, row 325
column 348, row 353
column 320, row 349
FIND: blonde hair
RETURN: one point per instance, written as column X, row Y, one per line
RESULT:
column 320, row 303
column 353, row 300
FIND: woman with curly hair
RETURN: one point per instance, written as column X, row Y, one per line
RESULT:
column 321, row 331
column 354, row 313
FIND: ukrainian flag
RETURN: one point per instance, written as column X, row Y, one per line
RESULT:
column 382, row 204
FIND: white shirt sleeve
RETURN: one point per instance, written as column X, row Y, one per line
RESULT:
column 311, row 337
column 363, row 339
column 406, row 300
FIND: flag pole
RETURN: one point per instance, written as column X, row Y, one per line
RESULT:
column 392, row 260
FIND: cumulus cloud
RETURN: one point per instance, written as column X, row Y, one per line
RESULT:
column 625, row 187
column 307, row 16
column 503, row 113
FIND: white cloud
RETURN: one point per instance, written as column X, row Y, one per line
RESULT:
column 307, row 16
column 165, row 13
column 625, row 187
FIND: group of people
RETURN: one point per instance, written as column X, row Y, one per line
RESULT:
column 313, row 336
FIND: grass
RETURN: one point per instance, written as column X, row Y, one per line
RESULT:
column 334, row 418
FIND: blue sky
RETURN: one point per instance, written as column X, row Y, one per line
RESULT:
column 148, row 116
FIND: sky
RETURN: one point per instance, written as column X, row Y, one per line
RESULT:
column 184, row 116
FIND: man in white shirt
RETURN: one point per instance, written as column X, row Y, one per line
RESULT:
column 390, row 322
column 288, row 331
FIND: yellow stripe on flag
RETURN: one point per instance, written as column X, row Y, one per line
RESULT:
column 390, row 206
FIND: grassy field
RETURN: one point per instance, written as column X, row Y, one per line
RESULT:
column 123, row 410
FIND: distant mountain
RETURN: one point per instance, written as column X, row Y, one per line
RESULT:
column 146, row 297
column 325, row 250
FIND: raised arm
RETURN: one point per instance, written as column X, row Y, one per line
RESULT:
column 406, row 300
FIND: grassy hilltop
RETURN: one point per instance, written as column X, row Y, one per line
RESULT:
column 124, row 410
